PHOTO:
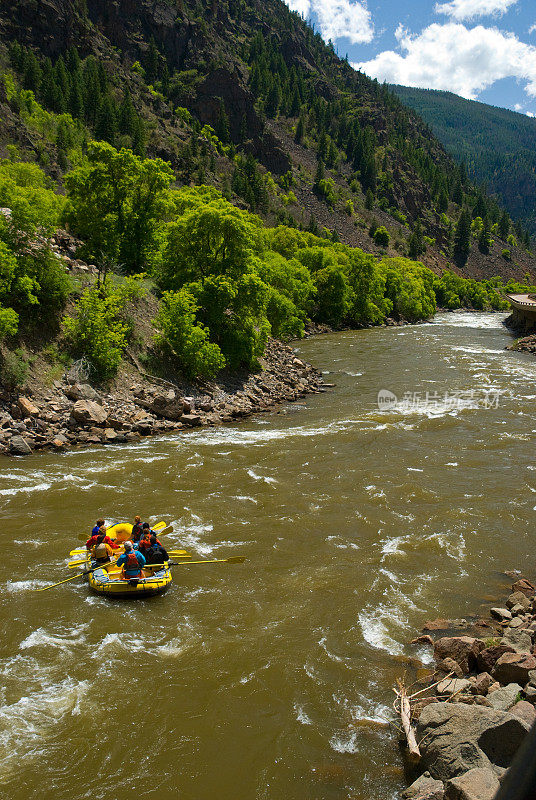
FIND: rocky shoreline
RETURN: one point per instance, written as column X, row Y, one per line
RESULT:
column 73, row 413
column 474, row 710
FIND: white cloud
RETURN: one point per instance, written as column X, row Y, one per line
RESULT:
column 338, row 18
column 303, row 7
column 532, row 29
column 469, row 9
column 458, row 59
column 518, row 107
column 530, row 114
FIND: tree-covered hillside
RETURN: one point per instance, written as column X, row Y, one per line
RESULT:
column 246, row 97
column 497, row 146
column 222, row 162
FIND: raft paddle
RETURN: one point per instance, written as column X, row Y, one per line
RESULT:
column 79, row 575
column 231, row 560
column 174, row 553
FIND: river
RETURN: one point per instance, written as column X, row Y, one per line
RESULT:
column 269, row 680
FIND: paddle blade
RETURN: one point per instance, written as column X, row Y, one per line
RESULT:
column 235, row 559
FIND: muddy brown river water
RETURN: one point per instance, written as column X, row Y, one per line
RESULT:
column 269, row 680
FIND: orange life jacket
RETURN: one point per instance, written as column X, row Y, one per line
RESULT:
column 132, row 564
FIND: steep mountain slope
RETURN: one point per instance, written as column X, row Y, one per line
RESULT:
column 467, row 128
column 294, row 133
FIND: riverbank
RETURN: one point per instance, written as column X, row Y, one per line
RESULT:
column 473, row 711
column 71, row 412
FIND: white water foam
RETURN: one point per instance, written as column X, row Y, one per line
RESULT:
column 263, row 478
column 26, row 724
column 24, row 586
column 330, row 655
column 193, row 533
column 39, row 487
column 42, row 638
column 301, row 716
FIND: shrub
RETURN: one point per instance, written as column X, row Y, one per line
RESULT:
column 185, row 340
column 97, row 332
column 381, row 236
column 507, row 255
column 13, row 369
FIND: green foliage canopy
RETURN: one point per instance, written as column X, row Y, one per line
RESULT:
column 117, row 202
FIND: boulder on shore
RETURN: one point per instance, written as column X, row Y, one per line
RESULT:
column 487, row 658
column 167, row 405
column 27, row 408
column 518, row 598
column 505, row 697
column 518, row 639
column 502, row 614
column 514, row 668
column 82, row 391
column 87, row 412
column 525, row 587
column 19, row 446
column 462, row 649
column 458, row 737
column 424, row 788
column 524, row 711
column 452, row 686
column 476, row 784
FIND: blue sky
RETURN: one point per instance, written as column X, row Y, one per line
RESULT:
column 480, row 49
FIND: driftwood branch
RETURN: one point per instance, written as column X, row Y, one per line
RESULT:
column 404, row 709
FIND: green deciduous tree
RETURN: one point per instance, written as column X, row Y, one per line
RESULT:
column 182, row 338
column 116, row 203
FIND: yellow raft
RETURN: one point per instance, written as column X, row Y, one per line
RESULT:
column 108, row 581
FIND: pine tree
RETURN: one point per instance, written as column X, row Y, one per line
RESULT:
column 484, row 240
column 504, row 226
column 416, row 242
column 72, row 60
column 368, row 171
column 126, row 116
column 106, row 126
column 92, row 92
column 62, row 80
column 457, row 193
column 32, row 73
column 462, row 236
column 322, row 147
column 369, row 200
column 300, row 130
column 76, row 96
column 320, row 174
column 295, row 103
column 222, row 125
column 480, row 208
column 152, row 61
column 138, row 136
column 443, row 200
column 273, row 99
column 332, row 154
